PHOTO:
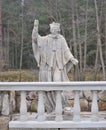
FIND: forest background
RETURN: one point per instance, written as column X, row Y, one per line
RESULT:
column 83, row 24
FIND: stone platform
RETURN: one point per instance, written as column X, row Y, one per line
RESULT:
column 67, row 123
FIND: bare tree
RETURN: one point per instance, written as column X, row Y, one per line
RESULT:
column 85, row 41
column 74, row 37
column 22, row 39
column 6, row 47
column 99, row 44
column 80, row 74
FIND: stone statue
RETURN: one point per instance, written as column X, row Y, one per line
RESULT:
column 53, row 57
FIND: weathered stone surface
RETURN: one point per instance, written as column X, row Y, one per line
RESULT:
column 62, row 129
column 34, row 106
column 18, row 103
column 85, row 101
column 87, row 95
column 102, row 95
column 5, row 105
column 102, row 106
column 12, row 101
column 4, row 123
column 53, row 57
column 34, row 129
column 32, row 95
column 0, row 102
column 70, row 94
column 83, row 104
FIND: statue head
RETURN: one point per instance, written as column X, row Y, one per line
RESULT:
column 55, row 28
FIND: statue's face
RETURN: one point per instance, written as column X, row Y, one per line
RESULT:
column 54, row 31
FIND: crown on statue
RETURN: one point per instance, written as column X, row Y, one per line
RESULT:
column 55, row 25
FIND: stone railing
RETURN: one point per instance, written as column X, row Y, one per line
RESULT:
column 74, row 121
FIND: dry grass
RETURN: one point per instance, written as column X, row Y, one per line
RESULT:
column 32, row 76
column 14, row 76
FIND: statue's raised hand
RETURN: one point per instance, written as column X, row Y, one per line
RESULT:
column 35, row 29
column 36, row 23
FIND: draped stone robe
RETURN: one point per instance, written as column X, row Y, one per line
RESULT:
column 54, row 60
column 52, row 55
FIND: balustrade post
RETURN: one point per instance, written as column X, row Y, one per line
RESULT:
column 58, row 108
column 5, row 104
column 76, row 111
column 23, row 106
column 41, row 108
column 94, row 107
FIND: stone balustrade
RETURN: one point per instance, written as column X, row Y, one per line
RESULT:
column 75, row 120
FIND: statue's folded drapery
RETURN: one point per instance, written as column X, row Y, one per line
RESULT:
column 52, row 55
column 54, row 60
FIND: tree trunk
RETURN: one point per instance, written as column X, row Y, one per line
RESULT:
column 50, row 8
column 22, row 42
column 7, row 45
column 80, row 74
column 74, row 38
column 56, row 10
column 99, row 44
column 5, row 52
column 1, row 48
column 85, row 42
column 16, row 54
column 62, row 29
column 96, row 63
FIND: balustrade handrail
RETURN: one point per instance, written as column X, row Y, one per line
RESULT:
column 29, row 86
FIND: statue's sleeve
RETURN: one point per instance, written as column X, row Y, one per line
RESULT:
column 66, row 52
column 67, row 55
column 36, row 45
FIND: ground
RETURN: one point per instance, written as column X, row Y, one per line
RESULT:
column 32, row 76
column 14, row 76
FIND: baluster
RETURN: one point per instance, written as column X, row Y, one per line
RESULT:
column 12, row 102
column 5, row 104
column 76, row 106
column 41, row 109
column 94, row 107
column 23, row 106
column 58, row 106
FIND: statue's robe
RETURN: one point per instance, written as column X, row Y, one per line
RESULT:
column 54, row 60
column 53, row 57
